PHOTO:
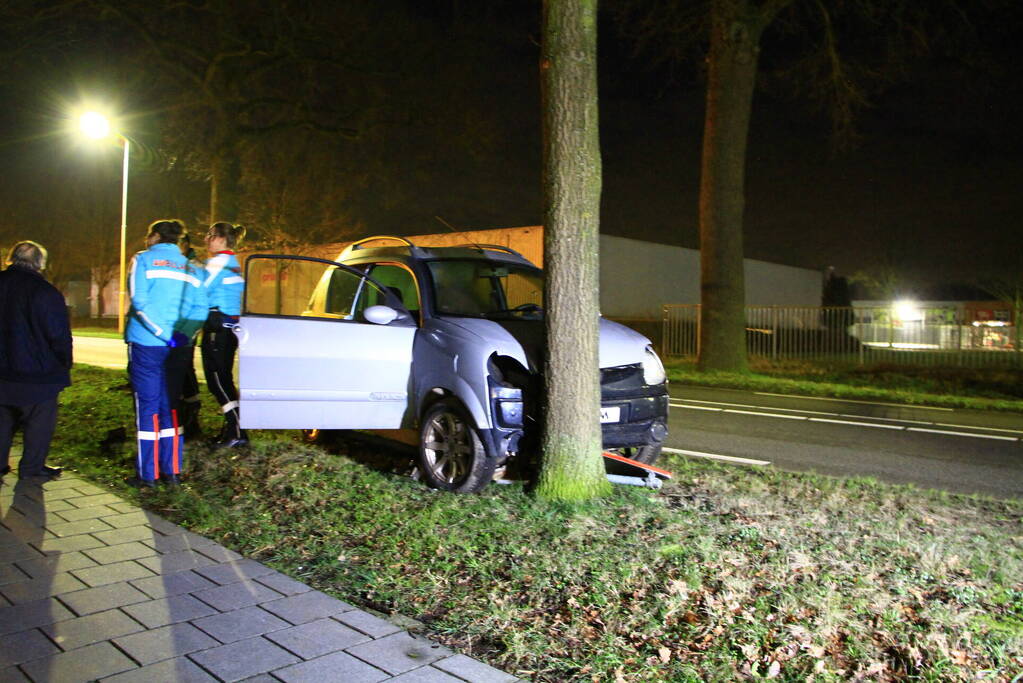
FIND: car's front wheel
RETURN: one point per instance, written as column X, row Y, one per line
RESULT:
column 451, row 453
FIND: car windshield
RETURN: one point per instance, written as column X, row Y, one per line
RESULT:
column 487, row 289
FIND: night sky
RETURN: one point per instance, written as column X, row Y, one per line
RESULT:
column 931, row 188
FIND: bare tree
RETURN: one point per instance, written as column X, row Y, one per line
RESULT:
column 837, row 54
column 572, row 465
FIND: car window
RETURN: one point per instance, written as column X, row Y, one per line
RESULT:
column 342, row 291
column 482, row 288
column 284, row 286
column 398, row 280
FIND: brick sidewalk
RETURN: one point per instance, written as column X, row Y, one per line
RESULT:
column 94, row 588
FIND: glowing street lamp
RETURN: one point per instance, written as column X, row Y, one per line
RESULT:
column 95, row 125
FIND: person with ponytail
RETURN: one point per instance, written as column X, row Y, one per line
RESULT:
column 167, row 307
column 224, row 286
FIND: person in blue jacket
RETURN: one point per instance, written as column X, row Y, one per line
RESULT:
column 224, row 288
column 167, row 306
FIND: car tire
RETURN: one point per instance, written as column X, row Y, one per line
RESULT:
column 451, row 452
column 647, row 455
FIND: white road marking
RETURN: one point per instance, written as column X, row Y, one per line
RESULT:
column 849, row 400
column 715, row 456
column 976, row 436
column 857, row 424
column 857, row 421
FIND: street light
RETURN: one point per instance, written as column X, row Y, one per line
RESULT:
column 95, row 125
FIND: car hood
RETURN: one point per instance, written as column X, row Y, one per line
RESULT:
column 523, row 340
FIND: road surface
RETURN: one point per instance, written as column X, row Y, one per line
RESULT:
column 955, row 450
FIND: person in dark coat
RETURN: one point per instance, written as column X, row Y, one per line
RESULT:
column 35, row 358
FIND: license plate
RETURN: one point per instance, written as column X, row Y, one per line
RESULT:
column 610, row 414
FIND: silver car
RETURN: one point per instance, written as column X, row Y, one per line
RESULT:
column 443, row 340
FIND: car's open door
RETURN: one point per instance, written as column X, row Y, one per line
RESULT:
column 315, row 362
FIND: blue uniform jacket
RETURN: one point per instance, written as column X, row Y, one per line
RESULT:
column 166, row 296
column 224, row 283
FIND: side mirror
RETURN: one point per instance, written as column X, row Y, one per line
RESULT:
column 380, row 315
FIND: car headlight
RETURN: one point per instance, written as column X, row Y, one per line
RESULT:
column 653, row 369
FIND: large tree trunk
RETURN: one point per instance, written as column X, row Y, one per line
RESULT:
column 732, row 68
column 225, row 177
column 572, row 467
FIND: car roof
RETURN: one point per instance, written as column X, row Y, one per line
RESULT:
column 408, row 252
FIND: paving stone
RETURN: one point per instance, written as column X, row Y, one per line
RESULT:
column 53, row 545
column 13, row 675
column 175, row 583
column 176, row 562
column 37, row 589
column 305, row 607
column 32, row 614
column 94, row 600
column 162, row 525
column 78, row 514
column 317, row 638
column 179, row 670
column 220, row 553
column 84, row 664
column 63, row 482
column 113, row 573
column 86, row 526
column 399, row 652
column 17, row 552
column 169, row 610
column 86, row 489
column 427, row 674
column 126, row 535
column 75, row 633
column 240, row 624
column 472, row 670
column 54, row 564
column 236, row 595
column 10, row 573
column 27, row 529
column 229, row 572
column 4, row 602
column 262, row 678
column 120, row 553
column 283, row 584
column 333, row 668
column 50, row 495
column 93, row 501
column 372, row 626
column 127, row 519
column 166, row 642
column 24, row 646
column 177, row 542
column 246, row 658
column 124, row 507
column 36, row 507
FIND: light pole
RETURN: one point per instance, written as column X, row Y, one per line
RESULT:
column 95, row 125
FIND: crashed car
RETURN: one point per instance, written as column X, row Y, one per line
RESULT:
column 446, row 341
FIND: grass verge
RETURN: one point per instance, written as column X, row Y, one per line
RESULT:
column 970, row 388
column 725, row 574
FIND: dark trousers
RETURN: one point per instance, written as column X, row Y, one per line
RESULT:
column 218, row 348
column 37, row 422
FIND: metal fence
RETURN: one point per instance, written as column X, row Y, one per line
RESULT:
column 855, row 335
